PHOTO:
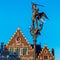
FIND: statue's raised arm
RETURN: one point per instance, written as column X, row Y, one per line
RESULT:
column 34, row 12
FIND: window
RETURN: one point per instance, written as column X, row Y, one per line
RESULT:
column 24, row 51
column 45, row 57
column 18, row 50
column 11, row 49
column 21, row 51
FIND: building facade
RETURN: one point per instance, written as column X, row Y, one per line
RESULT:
column 19, row 44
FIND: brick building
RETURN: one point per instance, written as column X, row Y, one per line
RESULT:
column 19, row 44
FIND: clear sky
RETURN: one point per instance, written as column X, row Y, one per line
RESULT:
column 18, row 13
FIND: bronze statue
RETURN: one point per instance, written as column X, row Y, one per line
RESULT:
column 36, row 15
column 37, row 25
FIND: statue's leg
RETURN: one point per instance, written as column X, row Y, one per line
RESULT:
column 37, row 23
column 33, row 21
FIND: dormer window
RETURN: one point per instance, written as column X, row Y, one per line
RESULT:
column 45, row 57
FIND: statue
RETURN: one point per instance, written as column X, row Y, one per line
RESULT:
column 36, row 15
column 36, row 27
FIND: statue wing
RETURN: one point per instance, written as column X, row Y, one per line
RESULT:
column 43, row 14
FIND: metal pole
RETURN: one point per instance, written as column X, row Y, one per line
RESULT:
column 35, row 49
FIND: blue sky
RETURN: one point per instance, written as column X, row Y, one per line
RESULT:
column 18, row 13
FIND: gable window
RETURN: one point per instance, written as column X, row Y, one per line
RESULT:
column 24, row 51
column 18, row 50
column 45, row 57
column 11, row 49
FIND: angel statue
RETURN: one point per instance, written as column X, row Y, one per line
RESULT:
column 37, row 24
column 36, row 15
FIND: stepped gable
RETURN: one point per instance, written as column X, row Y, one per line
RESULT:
column 19, row 41
column 14, row 43
column 45, row 52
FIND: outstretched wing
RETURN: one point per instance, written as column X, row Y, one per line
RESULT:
column 43, row 14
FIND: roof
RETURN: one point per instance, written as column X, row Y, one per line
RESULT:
column 38, row 48
column 45, row 52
